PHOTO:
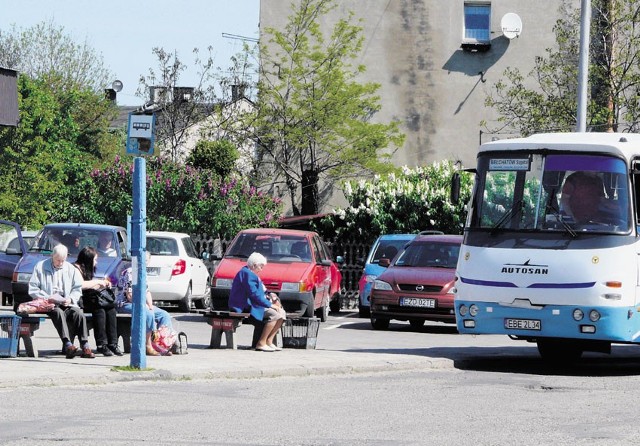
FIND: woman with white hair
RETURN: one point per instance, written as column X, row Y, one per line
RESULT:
column 248, row 295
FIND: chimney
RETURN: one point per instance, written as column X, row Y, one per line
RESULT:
column 237, row 92
column 110, row 94
column 183, row 94
column 159, row 95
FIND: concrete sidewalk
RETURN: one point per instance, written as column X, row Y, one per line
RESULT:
column 52, row 368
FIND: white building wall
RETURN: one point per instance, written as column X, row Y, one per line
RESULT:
column 433, row 87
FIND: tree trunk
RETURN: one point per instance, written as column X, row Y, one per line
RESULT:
column 310, row 205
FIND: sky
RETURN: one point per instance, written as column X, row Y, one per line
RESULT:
column 125, row 32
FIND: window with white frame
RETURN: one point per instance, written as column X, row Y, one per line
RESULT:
column 477, row 22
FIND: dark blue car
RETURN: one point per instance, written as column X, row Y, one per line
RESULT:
column 13, row 245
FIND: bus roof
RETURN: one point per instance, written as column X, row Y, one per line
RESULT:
column 626, row 145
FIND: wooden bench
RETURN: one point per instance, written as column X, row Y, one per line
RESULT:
column 31, row 323
column 226, row 322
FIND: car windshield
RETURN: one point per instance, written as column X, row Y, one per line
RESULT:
column 73, row 238
column 387, row 249
column 278, row 248
column 429, row 254
column 571, row 193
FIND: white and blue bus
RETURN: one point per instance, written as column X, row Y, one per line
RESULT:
column 533, row 264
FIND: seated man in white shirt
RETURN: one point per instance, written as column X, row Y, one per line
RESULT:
column 105, row 244
column 60, row 282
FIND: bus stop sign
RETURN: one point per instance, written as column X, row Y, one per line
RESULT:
column 141, row 134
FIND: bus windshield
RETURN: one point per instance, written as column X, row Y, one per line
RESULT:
column 571, row 193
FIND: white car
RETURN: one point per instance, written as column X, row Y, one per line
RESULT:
column 175, row 272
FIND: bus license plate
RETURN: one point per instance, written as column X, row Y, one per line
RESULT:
column 522, row 324
column 417, row 302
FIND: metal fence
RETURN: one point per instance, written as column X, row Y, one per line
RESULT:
column 352, row 251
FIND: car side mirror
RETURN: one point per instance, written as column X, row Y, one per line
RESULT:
column 384, row 262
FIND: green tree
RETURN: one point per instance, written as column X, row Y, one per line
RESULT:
column 550, row 102
column 46, row 52
column 313, row 119
column 45, row 161
column 408, row 202
column 218, row 156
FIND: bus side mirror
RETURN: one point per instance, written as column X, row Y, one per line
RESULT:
column 455, row 188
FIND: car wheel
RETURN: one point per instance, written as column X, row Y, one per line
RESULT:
column 185, row 303
column 334, row 305
column 416, row 324
column 205, row 302
column 379, row 323
column 310, row 305
column 323, row 312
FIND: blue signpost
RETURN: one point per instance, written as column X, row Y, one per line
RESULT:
column 139, row 261
column 138, row 124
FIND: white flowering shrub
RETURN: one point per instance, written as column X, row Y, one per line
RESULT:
column 414, row 200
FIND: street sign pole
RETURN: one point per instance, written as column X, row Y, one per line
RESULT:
column 583, row 65
column 139, row 261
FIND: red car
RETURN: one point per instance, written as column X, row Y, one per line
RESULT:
column 299, row 270
column 418, row 285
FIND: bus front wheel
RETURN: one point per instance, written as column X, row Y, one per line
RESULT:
column 559, row 351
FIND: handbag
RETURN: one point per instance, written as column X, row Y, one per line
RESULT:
column 38, row 305
column 106, row 298
column 93, row 300
column 180, row 347
column 163, row 339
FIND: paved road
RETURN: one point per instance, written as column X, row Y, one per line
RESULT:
column 345, row 344
column 358, row 387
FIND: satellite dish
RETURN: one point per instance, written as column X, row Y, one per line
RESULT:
column 117, row 85
column 511, row 25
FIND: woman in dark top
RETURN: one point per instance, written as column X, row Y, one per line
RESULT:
column 104, row 319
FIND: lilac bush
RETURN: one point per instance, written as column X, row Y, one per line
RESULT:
column 414, row 200
column 183, row 198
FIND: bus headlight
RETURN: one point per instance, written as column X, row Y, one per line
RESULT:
column 473, row 310
column 578, row 314
column 594, row 315
column 463, row 310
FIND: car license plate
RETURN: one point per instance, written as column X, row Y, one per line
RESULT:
column 153, row 271
column 522, row 324
column 417, row 302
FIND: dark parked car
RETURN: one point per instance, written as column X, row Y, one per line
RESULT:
column 418, row 285
column 13, row 245
column 74, row 236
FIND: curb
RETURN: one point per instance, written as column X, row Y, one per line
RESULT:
column 115, row 376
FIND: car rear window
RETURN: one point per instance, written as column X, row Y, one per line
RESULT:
column 158, row 246
column 273, row 247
